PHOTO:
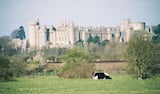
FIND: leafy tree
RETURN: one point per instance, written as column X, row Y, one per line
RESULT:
column 94, row 43
column 18, row 33
column 14, row 34
column 77, row 64
column 5, row 45
column 53, row 53
column 114, row 51
column 21, row 33
column 156, row 30
column 80, row 43
column 104, row 42
column 5, row 72
column 140, row 54
column 90, row 39
column 93, row 48
column 18, row 65
column 96, row 39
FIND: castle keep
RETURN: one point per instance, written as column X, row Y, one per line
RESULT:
column 67, row 34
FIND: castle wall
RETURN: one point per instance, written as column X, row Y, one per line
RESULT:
column 32, row 35
column 66, row 34
column 41, row 37
column 138, row 26
column 52, row 36
column 128, row 27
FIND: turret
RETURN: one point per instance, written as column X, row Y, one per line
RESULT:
column 33, row 34
column 126, row 22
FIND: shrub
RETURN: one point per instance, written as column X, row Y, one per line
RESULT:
column 77, row 64
column 5, row 72
column 77, row 70
column 18, row 66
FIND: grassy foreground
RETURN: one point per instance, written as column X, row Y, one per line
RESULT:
column 120, row 84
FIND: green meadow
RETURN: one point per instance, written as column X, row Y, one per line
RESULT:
column 120, row 84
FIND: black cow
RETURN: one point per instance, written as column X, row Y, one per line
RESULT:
column 101, row 75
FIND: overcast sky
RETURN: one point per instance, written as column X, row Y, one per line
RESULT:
column 14, row 13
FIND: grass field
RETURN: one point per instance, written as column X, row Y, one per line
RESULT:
column 120, row 84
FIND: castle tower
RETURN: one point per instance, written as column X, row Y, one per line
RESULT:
column 127, row 34
column 33, row 34
column 71, row 33
column 109, row 33
column 42, row 37
column 52, row 37
column 125, row 29
column 126, row 23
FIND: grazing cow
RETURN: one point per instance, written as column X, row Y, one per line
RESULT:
column 101, row 75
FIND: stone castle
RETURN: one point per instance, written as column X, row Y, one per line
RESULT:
column 67, row 34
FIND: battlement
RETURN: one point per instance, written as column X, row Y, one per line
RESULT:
column 66, row 33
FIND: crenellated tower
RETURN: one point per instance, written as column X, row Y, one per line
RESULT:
column 34, row 34
column 67, row 34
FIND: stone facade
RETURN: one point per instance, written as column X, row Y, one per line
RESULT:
column 19, row 44
column 66, row 34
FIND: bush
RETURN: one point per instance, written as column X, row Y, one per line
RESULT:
column 18, row 66
column 5, row 72
column 77, row 65
column 77, row 70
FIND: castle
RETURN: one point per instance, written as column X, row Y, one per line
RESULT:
column 67, row 34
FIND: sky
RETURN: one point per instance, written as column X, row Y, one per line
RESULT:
column 15, row 13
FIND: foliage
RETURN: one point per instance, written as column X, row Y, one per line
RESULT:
column 29, row 63
column 53, row 54
column 94, row 39
column 104, row 42
column 156, row 30
column 18, row 33
column 156, row 69
column 114, row 51
column 33, row 68
column 140, row 55
column 77, row 64
column 79, row 43
column 108, row 51
column 23, row 64
column 90, row 39
column 18, row 65
column 5, row 72
column 5, row 47
column 93, row 48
